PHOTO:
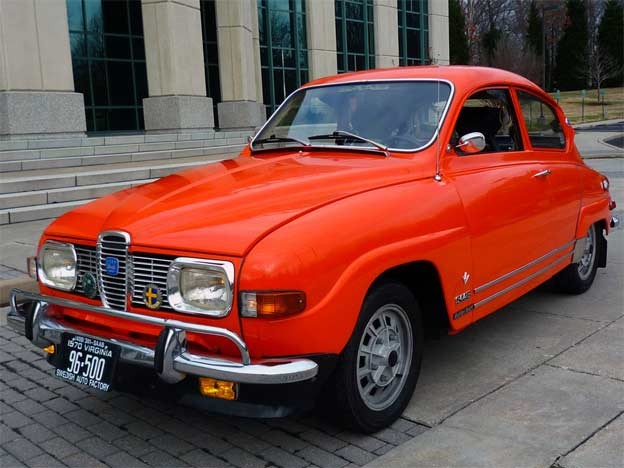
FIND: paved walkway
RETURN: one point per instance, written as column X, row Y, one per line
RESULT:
column 591, row 139
column 540, row 383
column 537, row 384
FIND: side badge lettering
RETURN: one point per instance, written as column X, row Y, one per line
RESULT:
column 463, row 312
column 462, row 297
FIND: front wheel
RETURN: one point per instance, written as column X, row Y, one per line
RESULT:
column 578, row 277
column 380, row 365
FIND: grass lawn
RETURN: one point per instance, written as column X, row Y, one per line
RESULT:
column 570, row 102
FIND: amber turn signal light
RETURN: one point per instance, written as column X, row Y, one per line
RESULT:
column 49, row 349
column 217, row 388
column 272, row 303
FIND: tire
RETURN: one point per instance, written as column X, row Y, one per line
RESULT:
column 390, row 325
column 578, row 277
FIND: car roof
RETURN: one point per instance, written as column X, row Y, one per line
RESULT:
column 462, row 77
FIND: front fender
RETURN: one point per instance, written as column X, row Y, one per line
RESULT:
column 335, row 253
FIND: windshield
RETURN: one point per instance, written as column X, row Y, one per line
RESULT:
column 402, row 115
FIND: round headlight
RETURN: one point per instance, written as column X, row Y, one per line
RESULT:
column 57, row 265
column 200, row 286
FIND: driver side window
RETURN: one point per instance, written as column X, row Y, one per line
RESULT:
column 491, row 113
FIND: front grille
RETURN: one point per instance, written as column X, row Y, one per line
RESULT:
column 87, row 263
column 148, row 269
column 113, row 288
column 136, row 272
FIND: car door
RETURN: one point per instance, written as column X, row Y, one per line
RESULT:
column 547, row 139
column 505, row 198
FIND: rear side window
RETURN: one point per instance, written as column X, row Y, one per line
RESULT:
column 541, row 122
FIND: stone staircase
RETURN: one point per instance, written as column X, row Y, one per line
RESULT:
column 42, row 179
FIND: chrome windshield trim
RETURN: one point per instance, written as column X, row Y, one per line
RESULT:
column 436, row 133
column 506, row 276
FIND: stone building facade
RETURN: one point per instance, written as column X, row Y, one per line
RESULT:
column 74, row 66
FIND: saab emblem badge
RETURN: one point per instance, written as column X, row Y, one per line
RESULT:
column 152, row 297
column 111, row 265
column 89, row 285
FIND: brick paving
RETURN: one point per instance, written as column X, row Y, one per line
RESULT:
column 6, row 272
column 45, row 422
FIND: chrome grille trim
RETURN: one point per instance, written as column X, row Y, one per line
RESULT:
column 87, row 263
column 113, row 289
column 147, row 269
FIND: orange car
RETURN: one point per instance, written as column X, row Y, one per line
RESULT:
column 369, row 207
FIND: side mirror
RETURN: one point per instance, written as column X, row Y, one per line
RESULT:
column 471, row 142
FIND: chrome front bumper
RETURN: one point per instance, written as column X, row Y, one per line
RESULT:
column 170, row 359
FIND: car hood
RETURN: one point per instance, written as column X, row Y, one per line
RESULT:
column 225, row 207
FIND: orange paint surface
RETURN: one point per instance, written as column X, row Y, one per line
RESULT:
column 329, row 222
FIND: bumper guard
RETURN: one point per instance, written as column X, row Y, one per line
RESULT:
column 170, row 358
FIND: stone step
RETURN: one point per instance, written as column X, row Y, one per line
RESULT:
column 79, row 161
column 34, row 213
column 62, row 195
column 85, row 176
column 9, row 159
column 122, row 139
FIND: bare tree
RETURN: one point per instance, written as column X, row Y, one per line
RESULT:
column 601, row 68
column 511, row 55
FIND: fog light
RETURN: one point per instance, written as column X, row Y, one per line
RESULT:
column 217, row 388
column 49, row 349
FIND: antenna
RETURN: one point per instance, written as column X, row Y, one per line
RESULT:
column 437, row 176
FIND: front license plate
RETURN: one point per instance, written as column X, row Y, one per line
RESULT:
column 87, row 361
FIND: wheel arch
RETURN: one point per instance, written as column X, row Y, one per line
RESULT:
column 424, row 281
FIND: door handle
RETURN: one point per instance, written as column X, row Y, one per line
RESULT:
column 543, row 173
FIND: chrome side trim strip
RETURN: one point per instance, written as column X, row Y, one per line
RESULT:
column 519, row 283
column 523, row 268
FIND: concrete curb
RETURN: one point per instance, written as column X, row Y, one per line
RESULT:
column 603, row 156
column 604, row 142
column 21, row 282
column 597, row 123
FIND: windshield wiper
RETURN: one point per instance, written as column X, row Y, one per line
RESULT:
column 280, row 139
column 341, row 134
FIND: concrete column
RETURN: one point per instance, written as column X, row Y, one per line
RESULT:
column 256, row 48
column 239, row 65
column 174, row 57
column 439, row 51
column 386, row 33
column 321, row 28
column 37, row 95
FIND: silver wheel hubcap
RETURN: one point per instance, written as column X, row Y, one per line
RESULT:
column 586, row 264
column 384, row 357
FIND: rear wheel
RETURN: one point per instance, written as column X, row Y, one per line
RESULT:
column 578, row 277
column 379, row 367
